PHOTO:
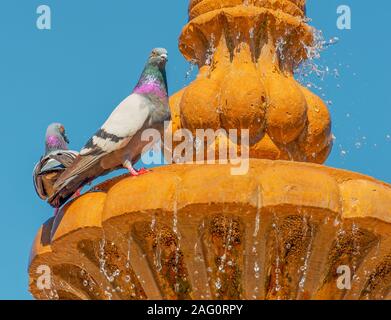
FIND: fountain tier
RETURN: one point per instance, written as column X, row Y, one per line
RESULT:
column 280, row 232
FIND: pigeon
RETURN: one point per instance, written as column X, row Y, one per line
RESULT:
column 118, row 144
column 56, row 159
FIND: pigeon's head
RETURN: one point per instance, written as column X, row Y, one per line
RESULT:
column 56, row 137
column 158, row 57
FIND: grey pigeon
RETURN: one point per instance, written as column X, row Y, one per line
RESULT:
column 56, row 159
column 118, row 144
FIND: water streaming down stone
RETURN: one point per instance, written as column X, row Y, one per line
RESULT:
column 254, row 251
column 279, row 232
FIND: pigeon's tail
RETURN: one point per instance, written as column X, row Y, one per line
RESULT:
column 64, row 193
column 83, row 171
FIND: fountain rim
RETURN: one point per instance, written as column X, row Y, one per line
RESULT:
column 106, row 192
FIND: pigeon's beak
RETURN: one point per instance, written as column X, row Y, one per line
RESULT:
column 66, row 138
column 164, row 57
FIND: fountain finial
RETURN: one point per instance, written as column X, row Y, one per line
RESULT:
column 246, row 52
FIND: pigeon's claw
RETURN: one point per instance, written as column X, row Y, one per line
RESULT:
column 143, row 171
column 135, row 173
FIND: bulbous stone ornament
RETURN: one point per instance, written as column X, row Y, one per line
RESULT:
column 246, row 52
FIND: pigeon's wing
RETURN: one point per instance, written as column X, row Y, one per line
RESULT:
column 125, row 121
column 54, row 162
column 50, row 166
column 37, row 180
column 63, row 157
column 81, row 164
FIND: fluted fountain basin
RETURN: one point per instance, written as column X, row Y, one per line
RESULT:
column 198, row 232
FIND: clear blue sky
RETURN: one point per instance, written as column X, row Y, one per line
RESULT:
column 90, row 60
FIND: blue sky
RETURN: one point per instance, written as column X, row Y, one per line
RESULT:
column 80, row 70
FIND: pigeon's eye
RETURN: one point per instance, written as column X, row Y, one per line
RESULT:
column 62, row 129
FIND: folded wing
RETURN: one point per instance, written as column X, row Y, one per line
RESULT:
column 49, row 168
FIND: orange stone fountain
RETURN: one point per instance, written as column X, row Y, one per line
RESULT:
column 282, row 231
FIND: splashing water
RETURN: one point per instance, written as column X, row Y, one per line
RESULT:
column 277, row 270
column 218, row 284
column 258, row 214
column 310, row 72
column 257, row 268
column 103, row 261
column 304, row 268
column 108, row 294
column 158, row 251
column 280, row 49
column 178, row 236
column 158, row 255
column 211, row 50
column 189, row 72
column 52, row 293
column 251, row 33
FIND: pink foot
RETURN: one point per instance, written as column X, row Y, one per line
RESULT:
column 136, row 173
column 56, row 211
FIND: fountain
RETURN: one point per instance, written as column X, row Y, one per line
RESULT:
column 289, row 229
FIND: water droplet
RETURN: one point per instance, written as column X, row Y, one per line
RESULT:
column 218, row 284
column 251, row 32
